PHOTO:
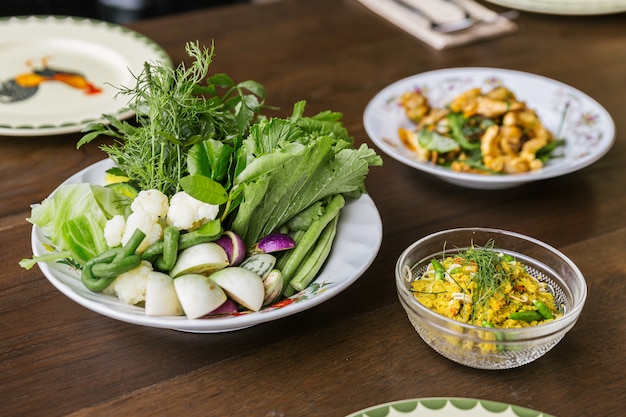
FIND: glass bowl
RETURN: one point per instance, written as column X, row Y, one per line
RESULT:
column 492, row 348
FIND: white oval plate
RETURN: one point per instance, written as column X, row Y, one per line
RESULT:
column 107, row 55
column 448, row 407
column 566, row 7
column 359, row 236
column 588, row 128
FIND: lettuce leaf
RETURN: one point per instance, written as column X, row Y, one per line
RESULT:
column 292, row 164
column 73, row 218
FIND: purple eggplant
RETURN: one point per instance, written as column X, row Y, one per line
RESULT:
column 229, row 307
column 274, row 242
column 234, row 247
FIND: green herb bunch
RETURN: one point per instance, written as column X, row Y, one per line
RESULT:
column 176, row 108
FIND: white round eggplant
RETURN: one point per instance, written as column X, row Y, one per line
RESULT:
column 161, row 297
column 203, row 259
column 198, row 295
column 242, row 285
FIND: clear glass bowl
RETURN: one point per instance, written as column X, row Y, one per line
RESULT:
column 486, row 348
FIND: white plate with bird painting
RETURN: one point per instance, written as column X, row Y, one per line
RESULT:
column 61, row 73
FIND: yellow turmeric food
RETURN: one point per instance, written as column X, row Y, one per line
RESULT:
column 487, row 288
column 483, row 133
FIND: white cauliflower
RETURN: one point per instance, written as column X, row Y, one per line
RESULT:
column 188, row 213
column 148, row 209
column 114, row 230
column 152, row 202
column 147, row 223
column 130, row 287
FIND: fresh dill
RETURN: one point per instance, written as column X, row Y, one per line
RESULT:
column 489, row 278
column 176, row 108
column 490, row 275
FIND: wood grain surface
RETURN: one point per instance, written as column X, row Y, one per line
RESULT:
column 357, row 349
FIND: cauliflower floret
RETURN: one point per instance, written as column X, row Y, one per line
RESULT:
column 147, row 223
column 114, row 230
column 147, row 208
column 152, row 202
column 130, row 287
column 187, row 213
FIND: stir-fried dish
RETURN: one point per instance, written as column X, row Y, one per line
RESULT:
column 482, row 133
column 484, row 287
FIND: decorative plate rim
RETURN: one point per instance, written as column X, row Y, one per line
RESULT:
column 566, row 7
column 444, row 405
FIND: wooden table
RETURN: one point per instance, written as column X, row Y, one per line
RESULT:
column 357, row 349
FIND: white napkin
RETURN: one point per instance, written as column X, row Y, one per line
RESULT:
column 441, row 11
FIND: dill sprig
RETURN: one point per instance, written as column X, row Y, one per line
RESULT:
column 490, row 276
column 176, row 108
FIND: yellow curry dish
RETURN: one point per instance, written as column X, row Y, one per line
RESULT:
column 482, row 133
column 487, row 288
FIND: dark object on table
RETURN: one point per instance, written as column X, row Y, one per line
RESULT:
column 117, row 11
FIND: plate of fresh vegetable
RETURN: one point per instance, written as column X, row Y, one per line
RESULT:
column 208, row 216
column 488, row 128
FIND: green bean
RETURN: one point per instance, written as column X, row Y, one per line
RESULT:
column 92, row 282
column 527, row 316
column 543, row 310
column 106, row 256
column 440, row 271
column 209, row 232
column 153, row 251
column 87, row 277
column 100, row 271
column 133, row 243
column 170, row 249
column 116, row 267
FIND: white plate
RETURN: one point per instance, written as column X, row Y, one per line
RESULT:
column 565, row 7
column 587, row 128
column 107, row 55
column 358, row 240
column 448, row 407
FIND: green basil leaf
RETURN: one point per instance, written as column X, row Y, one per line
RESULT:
column 210, row 158
column 204, row 189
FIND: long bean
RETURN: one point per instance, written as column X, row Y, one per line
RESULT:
column 310, row 237
column 87, row 277
column 167, row 260
column 209, row 232
column 309, row 269
column 116, row 267
column 99, row 272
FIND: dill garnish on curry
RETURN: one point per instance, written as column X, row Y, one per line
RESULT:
column 481, row 133
column 484, row 287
